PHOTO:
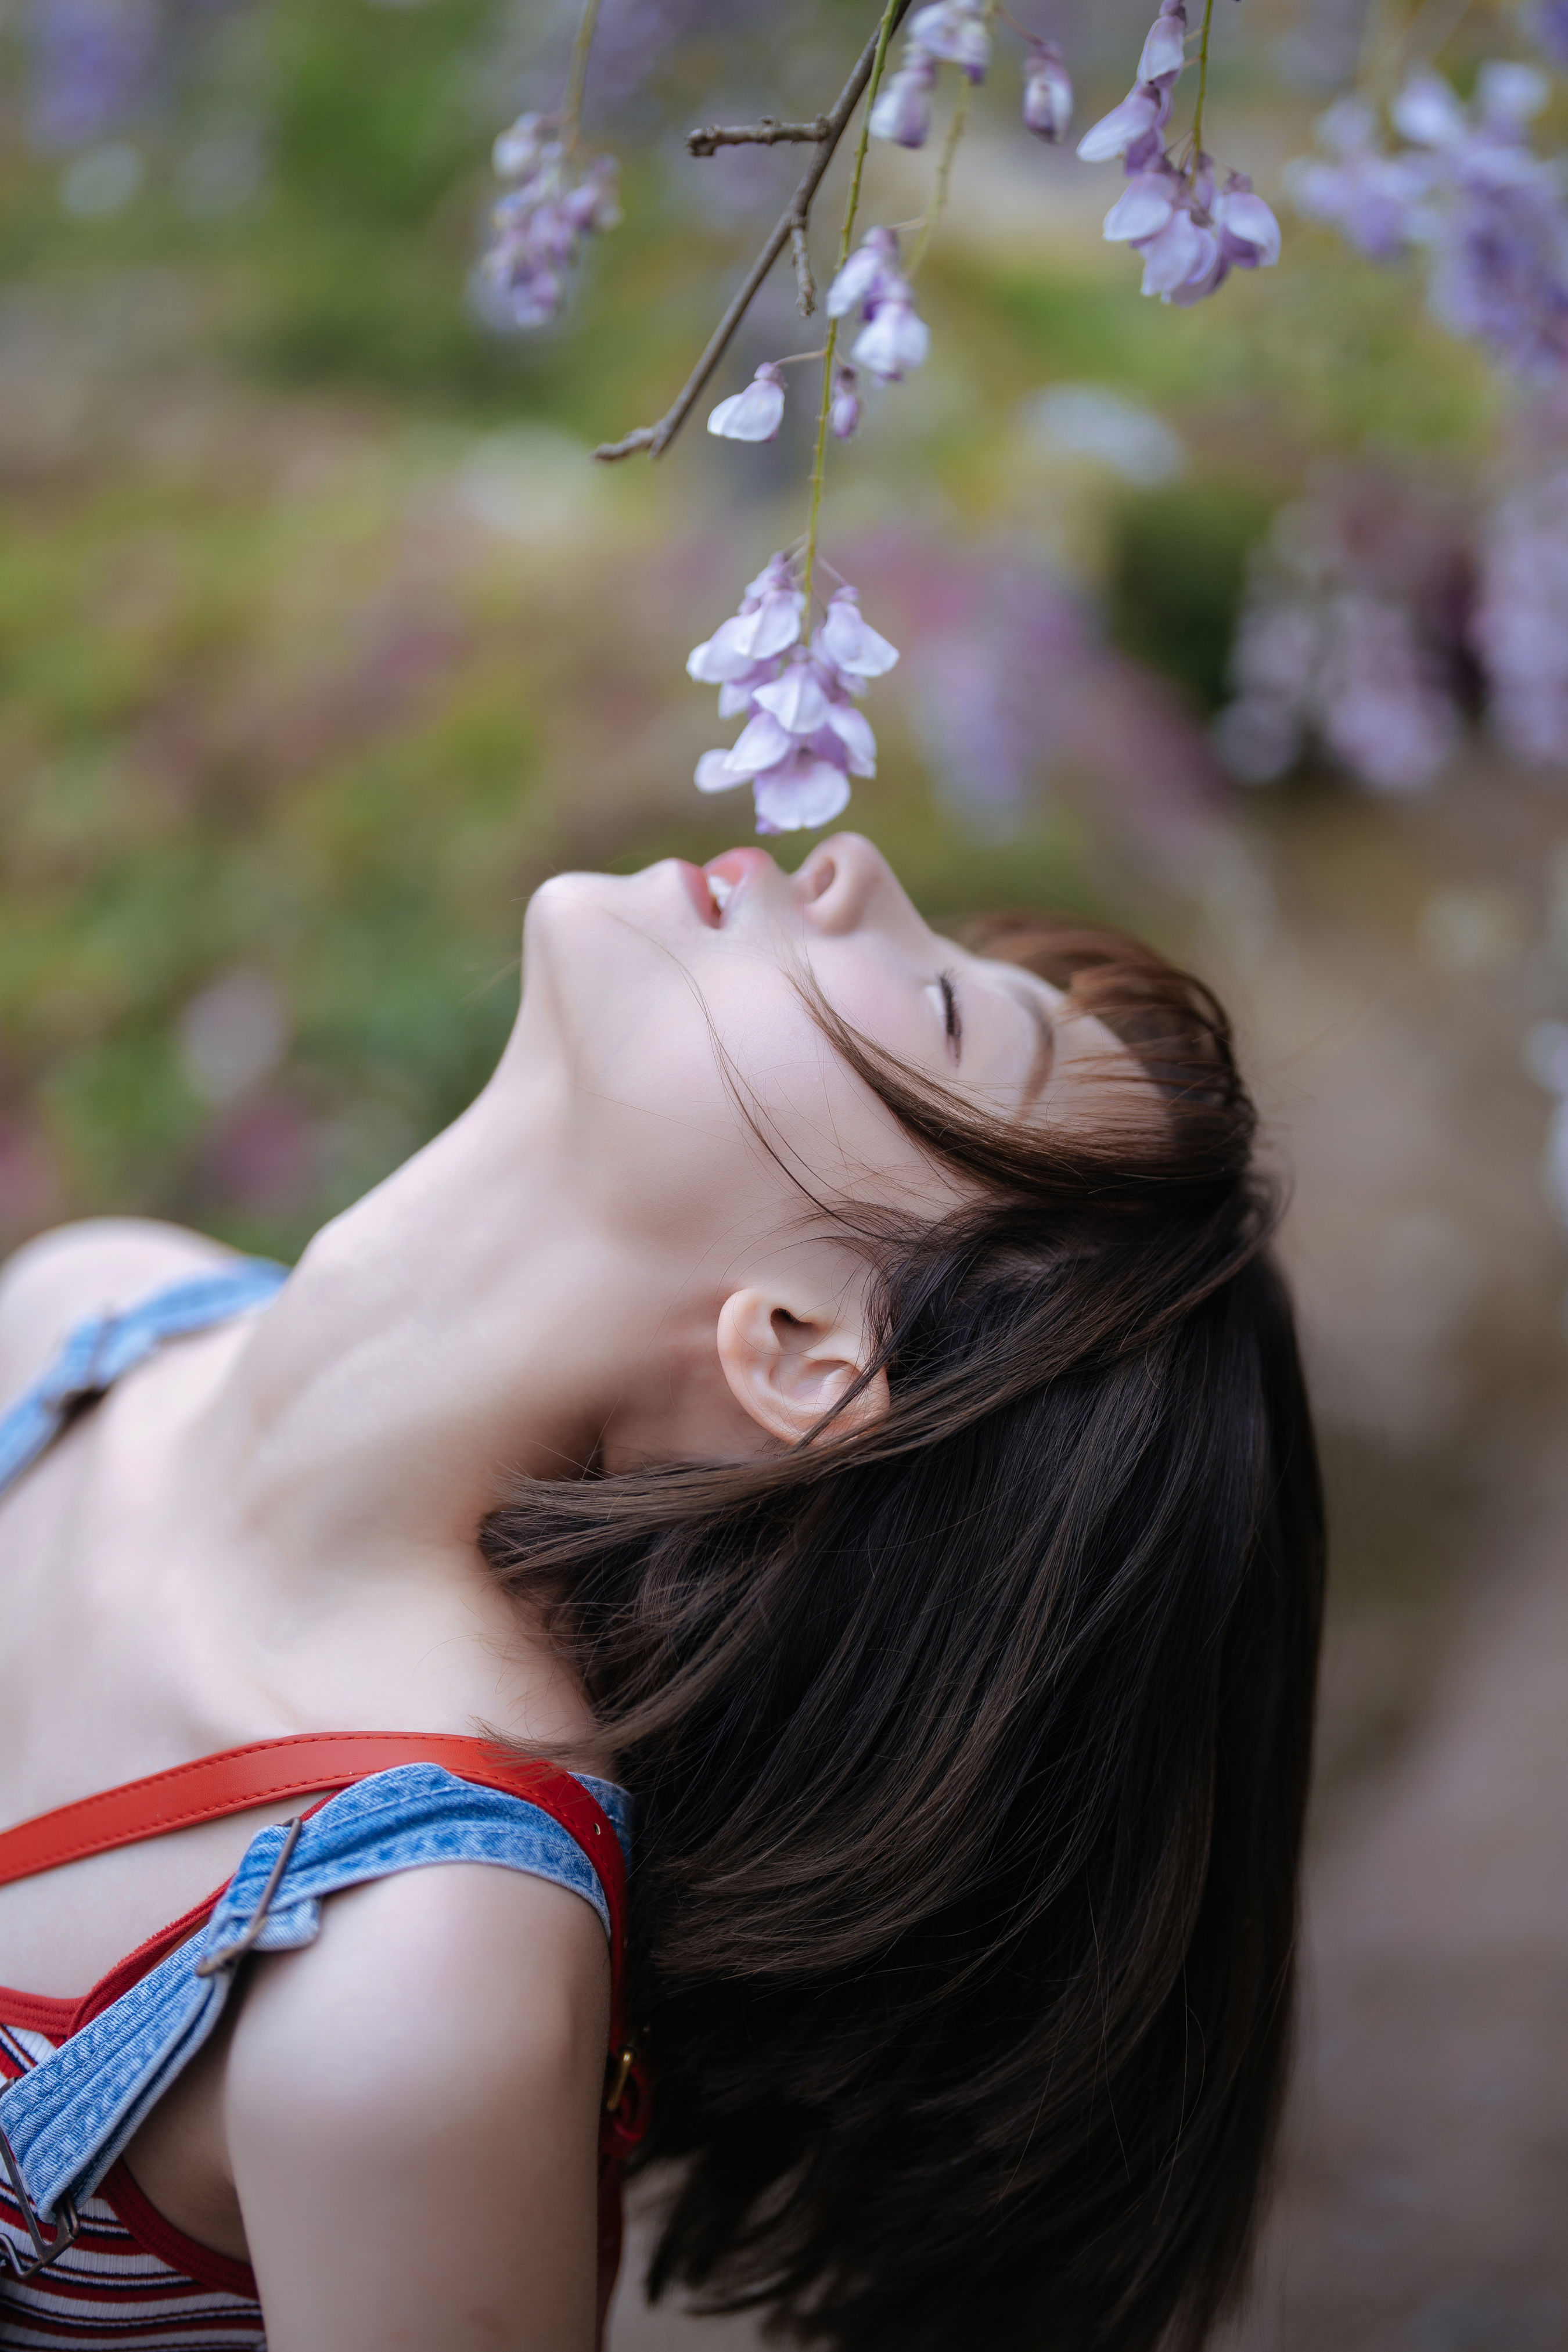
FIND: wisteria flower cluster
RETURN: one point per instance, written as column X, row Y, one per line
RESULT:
column 1382, row 615
column 538, row 226
column 1190, row 233
column 804, row 739
column 1352, row 631
column 958, row 33
column 1468, row 189
column 893, row 340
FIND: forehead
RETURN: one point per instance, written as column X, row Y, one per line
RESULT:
column 1059, row 1060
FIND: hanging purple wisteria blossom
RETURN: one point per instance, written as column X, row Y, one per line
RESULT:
column 952, row 32
column 538, row 227
column 1047, row 92
column 843, row 409
column 1468, row 190
column 1189, row 233
column 804, row 738
column 894, row 338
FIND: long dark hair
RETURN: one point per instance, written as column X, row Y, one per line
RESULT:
column 971, row 1749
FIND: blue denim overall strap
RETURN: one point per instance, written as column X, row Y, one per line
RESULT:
column 102, row 1349
column 69, row 2119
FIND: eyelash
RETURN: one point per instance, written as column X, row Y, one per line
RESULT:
column 953, row 1019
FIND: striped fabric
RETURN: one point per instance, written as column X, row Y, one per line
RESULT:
column 131, row 2278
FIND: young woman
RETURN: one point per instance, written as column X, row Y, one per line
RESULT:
column 833, row 1383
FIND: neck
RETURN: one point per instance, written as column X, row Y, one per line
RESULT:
column 454, row 1330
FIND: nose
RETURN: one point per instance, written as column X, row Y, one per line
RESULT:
column 848, row 883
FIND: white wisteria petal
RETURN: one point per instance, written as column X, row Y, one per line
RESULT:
column 894, row 341
column 851, row 645
column 714, row 773
column 1114, row 133
column 1166, row 50
column 1246, row 217
column 754, row 415
column 762, row 743
column 796, row 699
column 812, row 793
column 853, row 730
column 776, row 623
column 1144, row 206
column 1177, row 253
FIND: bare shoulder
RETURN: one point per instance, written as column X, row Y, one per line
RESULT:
column 76, row 1270
column 420, row 2087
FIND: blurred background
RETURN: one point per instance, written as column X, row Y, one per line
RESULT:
column 322, row 642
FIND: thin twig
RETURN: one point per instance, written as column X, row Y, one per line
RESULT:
column 656, row 439
column 805, row 283
column 766, row 133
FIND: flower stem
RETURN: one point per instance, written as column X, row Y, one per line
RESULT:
column 571, row 105
column 819, row 461
column 1203, row 84
column 939, row 186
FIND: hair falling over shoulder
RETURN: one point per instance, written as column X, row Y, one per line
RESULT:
column 971, row 1749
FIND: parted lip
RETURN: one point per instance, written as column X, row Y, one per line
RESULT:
column 711, row 888
column 695, row 882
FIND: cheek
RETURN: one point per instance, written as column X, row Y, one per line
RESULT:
column 667, row 1058
column 882, row 1002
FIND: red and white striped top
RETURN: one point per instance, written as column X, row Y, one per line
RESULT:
column 131, row 2278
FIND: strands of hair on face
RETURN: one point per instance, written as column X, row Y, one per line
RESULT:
column 971, row 1750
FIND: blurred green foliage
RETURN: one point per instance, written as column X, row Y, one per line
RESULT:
column 1178, row 560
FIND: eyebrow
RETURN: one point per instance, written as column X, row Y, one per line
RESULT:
column 1045, row 1052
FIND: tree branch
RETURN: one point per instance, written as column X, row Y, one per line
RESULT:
column 766, row 133
column 656, row 439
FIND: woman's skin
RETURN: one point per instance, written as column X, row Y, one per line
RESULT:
column 613, row 1256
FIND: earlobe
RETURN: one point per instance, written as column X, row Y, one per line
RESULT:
column 787, row 1370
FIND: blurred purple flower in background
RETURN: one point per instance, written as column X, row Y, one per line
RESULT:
column 538, row 226
column 804, row 738
column 1352, row 632
column 1520, row 626
column 1469, row 190
column 1548, row 23
column 1047, row 92
column 91, row 67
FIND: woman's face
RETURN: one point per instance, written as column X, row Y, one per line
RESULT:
column 696, row 1094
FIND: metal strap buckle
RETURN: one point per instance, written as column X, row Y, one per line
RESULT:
column 229, row 1955
column 67, row 2224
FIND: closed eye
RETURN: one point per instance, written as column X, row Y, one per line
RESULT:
column 952, row 1019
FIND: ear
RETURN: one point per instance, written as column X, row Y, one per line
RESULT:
column 786, row 1369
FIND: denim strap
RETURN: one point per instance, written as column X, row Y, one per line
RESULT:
column 73, row 2114
column 100, row 1351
